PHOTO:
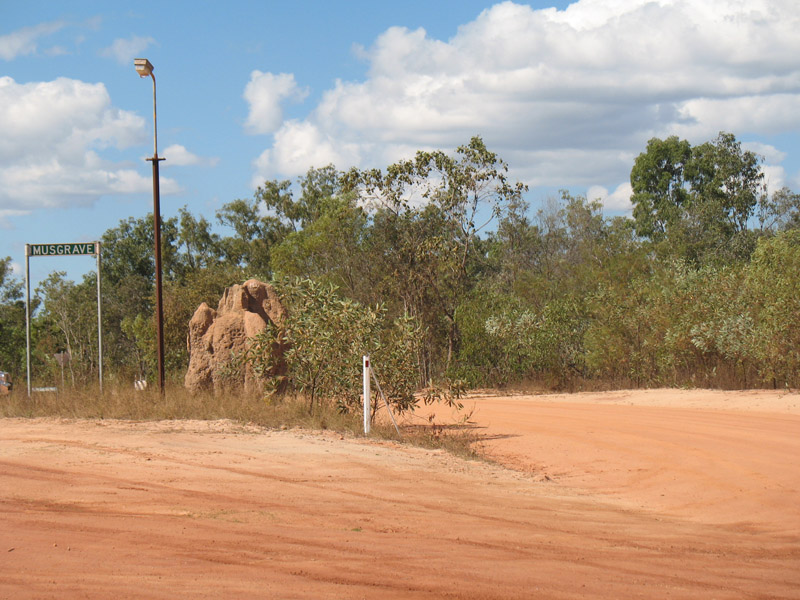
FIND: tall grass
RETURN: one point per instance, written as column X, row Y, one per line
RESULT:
column 177, row 403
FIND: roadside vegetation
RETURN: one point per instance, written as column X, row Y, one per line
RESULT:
column 438, row 268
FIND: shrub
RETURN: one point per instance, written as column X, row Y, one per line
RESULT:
column 327, row 335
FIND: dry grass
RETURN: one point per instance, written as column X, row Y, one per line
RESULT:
column 460, row 440
column 178, row 403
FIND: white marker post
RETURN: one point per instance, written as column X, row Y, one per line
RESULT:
column 366, row 394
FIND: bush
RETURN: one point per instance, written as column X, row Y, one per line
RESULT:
column 327, row 335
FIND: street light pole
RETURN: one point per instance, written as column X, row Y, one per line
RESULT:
column 144, row 68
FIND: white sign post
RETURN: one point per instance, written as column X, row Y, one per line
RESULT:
column 367, row 394
column 368, row 370
column 83, row 249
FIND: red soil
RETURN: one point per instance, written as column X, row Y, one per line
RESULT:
column 679, row 494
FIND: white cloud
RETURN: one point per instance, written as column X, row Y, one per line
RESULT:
column 25, row 41
column 596, row 192
column 617, row 201
column 264, row 93
column 299, row 146
column 566, row 97
column 768, row 113
column 770, row 153
column 178, row 156
column 63, row 116
column 774, row 176
column 125, row 50
column 49, row 151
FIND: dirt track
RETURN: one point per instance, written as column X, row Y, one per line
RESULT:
column 679, row 494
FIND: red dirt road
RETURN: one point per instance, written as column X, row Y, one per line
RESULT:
column 663, row 494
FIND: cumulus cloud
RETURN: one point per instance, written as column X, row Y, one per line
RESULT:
column 617, row 201
column 774, row 174
column 566, row 97
column 125, row 50
column 25, row 41
column 53, row 133
column 768, row 152
column 300, row 145
column 774, row 177
column 178, row 156
column 264, row 93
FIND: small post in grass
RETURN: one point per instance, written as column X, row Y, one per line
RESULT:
column 367, row 394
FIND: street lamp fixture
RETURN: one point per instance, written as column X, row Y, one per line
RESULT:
column 144, row 68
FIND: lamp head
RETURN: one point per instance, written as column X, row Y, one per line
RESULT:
column 143, row 67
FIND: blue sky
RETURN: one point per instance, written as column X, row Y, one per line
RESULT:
column 567, row 93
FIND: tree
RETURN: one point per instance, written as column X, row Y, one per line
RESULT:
column 12, row 321
column 773, row 296
column 128, row 284
column 327, row 335
column 515, row 246
column 318, row 188
column 727, row 181
column 697, row 202
column 202, row 247
column 68, row 323
column 264, row 222
column 255, row 234
column 428, row 214
column 660, row 193
column 330, row 249
column 127, row 251
column 495, row 344
column 780, row 211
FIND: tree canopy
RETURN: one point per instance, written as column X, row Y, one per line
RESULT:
column 697, row 202
column 694, row 288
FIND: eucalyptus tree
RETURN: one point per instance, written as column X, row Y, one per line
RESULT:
column 698, row 202
column 427, row 215
column 275, row 211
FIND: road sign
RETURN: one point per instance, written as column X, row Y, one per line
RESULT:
column 62, row 249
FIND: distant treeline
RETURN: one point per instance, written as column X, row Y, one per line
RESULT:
column 699, row 287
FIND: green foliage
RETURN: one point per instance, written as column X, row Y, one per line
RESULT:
column 505, row 339
column 330, row 249
column 326, row 336
column 696, row 289
column 262, row 223
column 484, row 359
column 12, row 322
column 660, row 193
column 773, row 295
column 10, row 287
column 67, row 323
column 203, row 248
column 428, row 214
column 696, row 202
column 780, row 212
column 249, row 248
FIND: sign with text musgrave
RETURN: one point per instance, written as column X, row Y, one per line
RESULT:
column 62, row 249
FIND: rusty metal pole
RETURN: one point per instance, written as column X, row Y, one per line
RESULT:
column 144, row 68
column 157, row 248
